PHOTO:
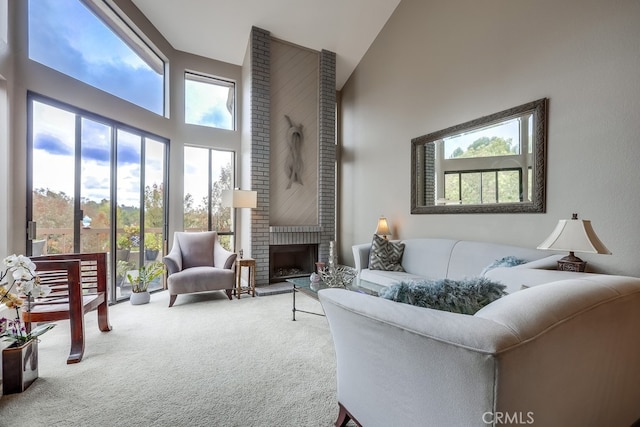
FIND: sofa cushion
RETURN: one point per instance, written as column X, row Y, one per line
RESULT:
column 547, row 263
column 468, row 258
column 457, row 296
column 385, row 255
column 428, row 258
column 386, row 278
column 514, row 277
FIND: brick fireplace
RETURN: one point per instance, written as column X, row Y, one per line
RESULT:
column 273, row 242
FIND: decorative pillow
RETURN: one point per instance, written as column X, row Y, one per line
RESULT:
column 508, row 261
column 457, row 296
column 385, row 255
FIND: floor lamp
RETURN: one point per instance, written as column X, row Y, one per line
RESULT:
column 236, row 199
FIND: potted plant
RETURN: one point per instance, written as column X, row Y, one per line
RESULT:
column 152, row 246
column 140, row 283
column 129, row 239
column 123, row 245
column 20, row 359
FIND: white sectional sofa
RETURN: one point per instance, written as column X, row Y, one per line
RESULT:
column 560, row 354
column 454, row 259
column 564, row 352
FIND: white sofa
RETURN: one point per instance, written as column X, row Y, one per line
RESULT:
column 448, row 258
column 564, row 353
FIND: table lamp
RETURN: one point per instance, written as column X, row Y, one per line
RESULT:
column 383, row 227
column 574, row 235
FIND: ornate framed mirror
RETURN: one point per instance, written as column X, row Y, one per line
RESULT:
column 494, row 164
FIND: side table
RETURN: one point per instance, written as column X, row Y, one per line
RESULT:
column 250, row 263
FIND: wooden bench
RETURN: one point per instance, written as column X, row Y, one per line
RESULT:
column 78, row 285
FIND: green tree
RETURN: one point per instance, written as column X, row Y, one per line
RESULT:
column 486, row 147
column 54, row 215
column 153, row 206
column 221, row 215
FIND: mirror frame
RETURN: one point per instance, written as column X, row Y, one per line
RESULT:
column 536, row 205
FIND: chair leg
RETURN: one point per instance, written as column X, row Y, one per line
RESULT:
column 172, row 299
column 27, row 325
column 344, row 417
column 229, row 293
column 103, row 317
column 77, row 339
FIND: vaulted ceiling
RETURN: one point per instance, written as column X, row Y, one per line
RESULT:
column 220, row 29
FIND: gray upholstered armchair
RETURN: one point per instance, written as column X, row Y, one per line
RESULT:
column 198, row 263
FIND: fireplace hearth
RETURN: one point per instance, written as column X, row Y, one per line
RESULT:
column 287, row 261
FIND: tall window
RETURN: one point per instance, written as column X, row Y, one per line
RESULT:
column 207, row 173
column 209, row 101
column 95, row 186
column 96, row 47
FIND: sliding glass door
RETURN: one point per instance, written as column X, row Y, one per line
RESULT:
column 95, row 185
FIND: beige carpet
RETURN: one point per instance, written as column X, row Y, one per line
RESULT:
column 206, row 361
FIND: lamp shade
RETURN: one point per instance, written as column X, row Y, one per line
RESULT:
column 383, row 227
column 240, row 198
column 574, row 235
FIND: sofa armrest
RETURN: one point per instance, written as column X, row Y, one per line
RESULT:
column 361, row 256
column 400, row 365
column 173, row 260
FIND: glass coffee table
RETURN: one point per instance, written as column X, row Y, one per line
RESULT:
column 309, row 288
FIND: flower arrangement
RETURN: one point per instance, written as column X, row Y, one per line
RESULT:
column 20, row 272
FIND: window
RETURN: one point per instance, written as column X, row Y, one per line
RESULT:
column 478, row 187
column 209, row 101
column 96, row 46
column 206, row 173
column 96, row 186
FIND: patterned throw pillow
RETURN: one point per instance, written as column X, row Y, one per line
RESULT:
column 385, row 255
column 508, row 261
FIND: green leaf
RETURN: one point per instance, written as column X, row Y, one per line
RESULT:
column 41, row 329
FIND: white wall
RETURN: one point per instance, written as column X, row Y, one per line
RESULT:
column 438, row 63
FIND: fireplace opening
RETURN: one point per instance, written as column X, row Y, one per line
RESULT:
column 287, row 261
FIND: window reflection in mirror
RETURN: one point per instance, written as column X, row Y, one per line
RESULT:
column 492, row 164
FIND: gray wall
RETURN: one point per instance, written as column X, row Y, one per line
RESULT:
column 438, row 63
